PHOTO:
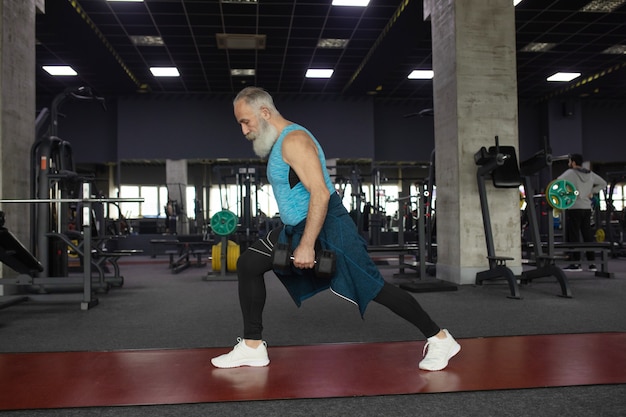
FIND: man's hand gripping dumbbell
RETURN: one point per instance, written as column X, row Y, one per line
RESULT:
column 325, row 263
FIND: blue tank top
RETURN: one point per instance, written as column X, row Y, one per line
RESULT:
column 293, row 203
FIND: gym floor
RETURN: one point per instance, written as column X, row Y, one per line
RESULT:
column 149, row 343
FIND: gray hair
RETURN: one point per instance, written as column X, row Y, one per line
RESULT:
column 256, row 98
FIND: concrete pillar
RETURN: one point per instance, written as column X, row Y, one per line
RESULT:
column 17, row 110
column 475, row 99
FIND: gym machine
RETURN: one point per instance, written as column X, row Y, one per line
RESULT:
column 54, row 187
column 613, row 228
column 499, row 163
column 429, row 213
column 32, row 271
column 425, row 264
column 544, row 262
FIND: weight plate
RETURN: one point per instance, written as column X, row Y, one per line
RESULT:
column 232, row 256
column 224, row 222
column 216, row 263
column 600, row 235
column 561, row 194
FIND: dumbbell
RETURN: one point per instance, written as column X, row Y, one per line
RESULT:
column 325, row 264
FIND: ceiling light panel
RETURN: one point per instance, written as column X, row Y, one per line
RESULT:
column 352, row 3
column 239, row 1
column 563, row 76
column 165, row 71
column 60, row 70
column 147, row 40
column 602, row 6
column 319, row 73
column 421, row 75
column 332, row 43
column 242, row 72
column 538, row 47
column 615, row 50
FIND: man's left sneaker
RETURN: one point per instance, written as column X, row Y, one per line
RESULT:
column 439, row 352
column 242, row 355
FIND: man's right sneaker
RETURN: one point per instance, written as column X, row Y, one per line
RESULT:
column 573, row 268
column 592, row 268
column 438, row 352
column 242, row 355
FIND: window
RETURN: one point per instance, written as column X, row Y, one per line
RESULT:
column 190, row 205
column 155, row 199
column 129, row 210
column 150, row 205
column 618, row 198
column 388, row 199
column 228, row 198
column 223, row 198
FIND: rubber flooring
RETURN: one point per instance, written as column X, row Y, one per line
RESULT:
column 151, row 377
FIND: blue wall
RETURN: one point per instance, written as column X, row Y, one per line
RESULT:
column 159, row 127
column 203, row 127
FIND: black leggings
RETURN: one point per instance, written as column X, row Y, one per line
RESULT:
column 578, row 222
column 257, row 260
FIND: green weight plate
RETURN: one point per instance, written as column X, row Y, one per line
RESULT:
column 224, row 223
column 561, row 194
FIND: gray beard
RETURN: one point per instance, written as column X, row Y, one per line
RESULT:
column 265, row 139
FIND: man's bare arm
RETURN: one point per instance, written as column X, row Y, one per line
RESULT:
column 300, row 152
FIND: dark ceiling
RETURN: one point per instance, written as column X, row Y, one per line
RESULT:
column 387, row 40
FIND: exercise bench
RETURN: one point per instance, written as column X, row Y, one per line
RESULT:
column 15, row 255
column 603, row 248
column 180, row 258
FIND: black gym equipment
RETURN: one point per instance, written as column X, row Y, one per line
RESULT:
column 613, row 227
column 53, row 175
column 545, row 263
column 430, row 218
column 357, row 203
column 252, row 222
column 17, row 257
column 55, row 189
column 32, row 272
column 425, row 284
column 41, row 285
column 500, row 163
column 187, row 248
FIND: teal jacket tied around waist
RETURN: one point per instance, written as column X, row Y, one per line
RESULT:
column 357, row 279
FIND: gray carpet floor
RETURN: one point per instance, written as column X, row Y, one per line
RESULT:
column 156, row 309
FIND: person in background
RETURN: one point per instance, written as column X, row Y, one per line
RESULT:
column 313, row 214
column 578, row 216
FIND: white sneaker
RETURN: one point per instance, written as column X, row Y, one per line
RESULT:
column 440, row 351
column 242, row 355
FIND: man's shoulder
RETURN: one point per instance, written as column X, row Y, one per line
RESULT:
column 297, row 133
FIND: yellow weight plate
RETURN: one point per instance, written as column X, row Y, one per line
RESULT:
column 216, row 263
column 232, row 256
column 600, row 235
